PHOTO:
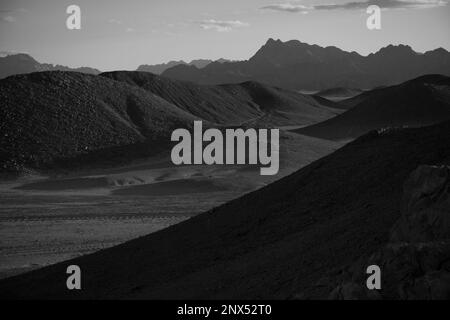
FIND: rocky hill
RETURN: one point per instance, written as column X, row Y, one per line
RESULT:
column 233, row 104
column 53, row 117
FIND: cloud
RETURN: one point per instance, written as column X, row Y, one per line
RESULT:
column 118, row 22
column 287, row 7
column 11, row 15
column 386, row 4
column 115, row 21
column 356, row 5
column 222, row 26
column 9, row 19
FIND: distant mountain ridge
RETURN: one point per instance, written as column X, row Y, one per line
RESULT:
column 20, row 63
column 13, row 63
column 160, row 68
column 300, row 66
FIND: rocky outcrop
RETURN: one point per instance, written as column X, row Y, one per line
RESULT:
column 426, row 207
column 415, row 264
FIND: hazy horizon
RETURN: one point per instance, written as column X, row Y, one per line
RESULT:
column 117, row 35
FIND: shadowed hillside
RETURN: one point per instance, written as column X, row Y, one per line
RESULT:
column 54, row 119
column 340, row 96
column 268, row 244
column 419, row 102
column 56, row 116
column 232, row 104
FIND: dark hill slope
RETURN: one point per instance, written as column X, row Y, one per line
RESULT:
column 329, row 103
column 60, row 115
column 268, row 244
column 205, row 102
column 419, row 102
column 343, row 98
column 277, row 103
column 231, row 104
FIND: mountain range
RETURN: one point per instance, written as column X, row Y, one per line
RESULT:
column 292, row 65
column 308, row 234
column 20, row 63
column 301, row 66
column 160, row 68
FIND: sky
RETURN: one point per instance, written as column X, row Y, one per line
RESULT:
column 121, row 35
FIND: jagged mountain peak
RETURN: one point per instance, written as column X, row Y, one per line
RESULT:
column 400, row 49
column 301, row 66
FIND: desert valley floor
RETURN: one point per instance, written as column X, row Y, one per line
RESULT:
column 48, row 219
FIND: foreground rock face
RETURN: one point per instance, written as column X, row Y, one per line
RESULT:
column 415, row 264
column 426, row 206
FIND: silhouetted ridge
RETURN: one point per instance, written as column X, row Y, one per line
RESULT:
column 160, row 68
column 21, row 63
column 301, row 66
